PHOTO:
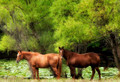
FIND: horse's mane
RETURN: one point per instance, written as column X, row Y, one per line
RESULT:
column 30, row 53
column 70, row 53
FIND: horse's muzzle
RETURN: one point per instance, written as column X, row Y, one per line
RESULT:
column 17, row 61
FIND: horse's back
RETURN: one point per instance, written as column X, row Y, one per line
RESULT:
column 94, row 58
column 86, row 59
column 52, row 54
column 39, row 60
column 53, row 58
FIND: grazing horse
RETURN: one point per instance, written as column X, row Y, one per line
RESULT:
column 37, row 60
column 81, row 61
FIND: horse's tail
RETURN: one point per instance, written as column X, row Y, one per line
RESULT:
column 59, row 65
column 106, row 60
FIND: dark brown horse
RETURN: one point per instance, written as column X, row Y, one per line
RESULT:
column 81, row 61
column 37, row 60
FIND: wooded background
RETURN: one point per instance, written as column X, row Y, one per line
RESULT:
column 44, row 25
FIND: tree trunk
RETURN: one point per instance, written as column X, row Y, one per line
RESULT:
column 115, row 50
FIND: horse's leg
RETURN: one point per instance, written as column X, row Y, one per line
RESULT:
column 80, row 73
column 93, row 72
column 53, row 72
column 37, row 69
column 72, row 71
column 32, row 76
column 34, row 72
column 56, row 72
column 97, row 69
column 30, row 68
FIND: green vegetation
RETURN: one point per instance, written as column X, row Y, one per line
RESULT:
column 54, row 80
column 27, row 25
column 43, row 25
column 10, row 69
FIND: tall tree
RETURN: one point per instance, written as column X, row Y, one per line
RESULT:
column 106, row 19
column 78, row 22
column 27, row 23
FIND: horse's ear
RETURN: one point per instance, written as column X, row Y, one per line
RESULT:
column 62, row 47
column 59, row 48
column 19, row 51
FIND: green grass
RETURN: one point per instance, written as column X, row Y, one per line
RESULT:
column 11, row 71
column 54, row 80
column 11, row 68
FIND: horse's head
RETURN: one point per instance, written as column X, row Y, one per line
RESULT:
column 61, row 51
column 19, row 56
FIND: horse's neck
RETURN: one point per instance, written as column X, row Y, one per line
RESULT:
column 27, row 56
column 68, row 54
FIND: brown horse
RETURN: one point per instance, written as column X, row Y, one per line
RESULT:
column 37, row 60
column 81, row 61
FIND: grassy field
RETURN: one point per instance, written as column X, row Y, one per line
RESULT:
column 60, row 80
column 10, row 71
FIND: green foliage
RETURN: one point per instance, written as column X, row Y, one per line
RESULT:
column 30, row 44
column 73, row 27
column 4, row 43
column 26, row 22
column 86, row 20
column 47, row 39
